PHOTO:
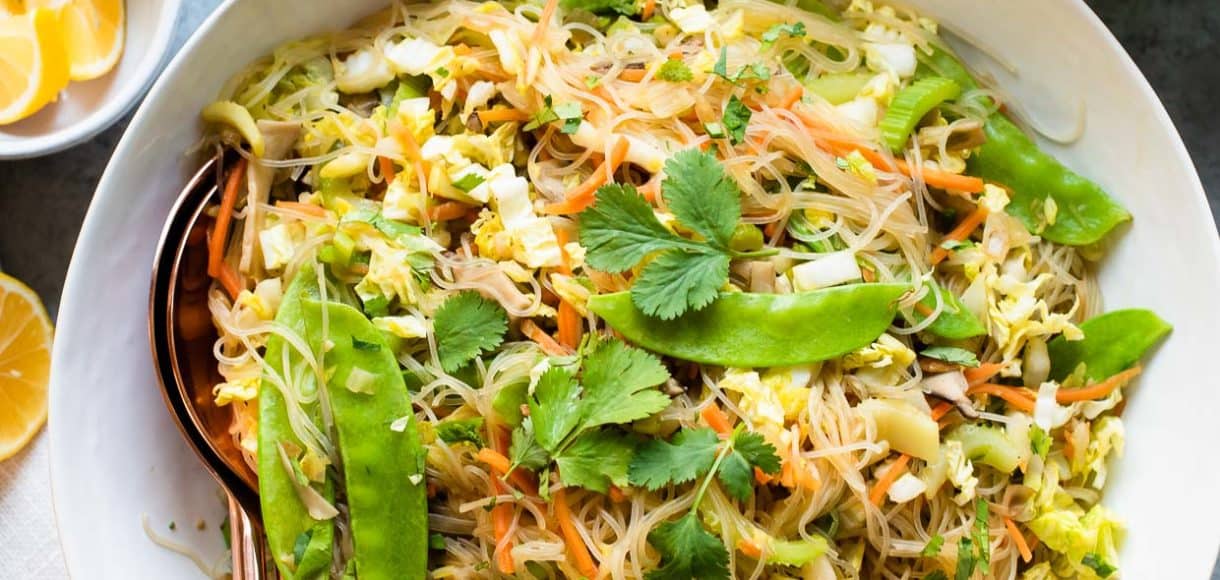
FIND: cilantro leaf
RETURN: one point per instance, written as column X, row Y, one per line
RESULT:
column 965, row 559
column 459, row 430
column 736, row 476
column 982, row 535
column 524, row 450
column 952, row 354
column 618, row 383
column 554, row 407
column 596, row 459
column 543, row 116
column 688, row 551
column 736, row 118
column 468, row 182
column 721, row 68
column 1099, row 565
column 755, row 449
column 465, row 326
column 1039, row 441
column 570, row 113
column 771, row 36
column 619, row 229
column 675, row 71
column 702, row 196
column 624, row 7
column 933, row 546
column 677, row 281
column 688, row 456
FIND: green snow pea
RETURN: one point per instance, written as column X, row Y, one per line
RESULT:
column 955, row 321
column 761, row 330
column 383, row 468
column 1112, row 342
column 300, row 545
column 1085, row 212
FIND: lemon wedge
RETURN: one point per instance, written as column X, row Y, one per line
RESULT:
column 95, row 31
column 25, row 365
column 34, row 64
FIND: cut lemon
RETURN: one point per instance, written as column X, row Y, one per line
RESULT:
column 25, row 365
column 33, row 63
column 94, row 29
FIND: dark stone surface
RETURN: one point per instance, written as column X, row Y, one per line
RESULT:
column 1176, row 44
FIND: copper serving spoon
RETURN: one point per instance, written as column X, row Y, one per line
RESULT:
column 182, row 336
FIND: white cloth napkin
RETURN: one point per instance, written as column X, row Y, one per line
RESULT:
column 29, row 544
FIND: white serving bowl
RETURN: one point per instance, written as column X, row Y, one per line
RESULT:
column 116, row 455
column 85, row 108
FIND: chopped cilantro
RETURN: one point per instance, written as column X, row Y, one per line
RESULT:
column 982, row 535
column 736, row 118
column 714, row 130
column 954, row 245
column 620, row 230
column 592, row 81
column 965, row 559
column 1039, row 441
column 624, row 7
column 675, row 71
column 468, row 182
column 442, row 72
column 952, row 354
column 569, row 113
column 465, row 326
column 933, row 546
column 1099, row 565
column 459, row 430
column 772, row 35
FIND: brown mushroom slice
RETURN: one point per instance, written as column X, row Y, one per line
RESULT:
column 951, row 387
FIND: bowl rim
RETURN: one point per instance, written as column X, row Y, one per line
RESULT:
column 101, row 118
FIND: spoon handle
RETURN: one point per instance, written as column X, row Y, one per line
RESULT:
column 247, row 542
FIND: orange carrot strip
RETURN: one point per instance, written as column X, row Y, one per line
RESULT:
column 409, row 145
column 616, row 494
column 230, row 280
column 1098, row 390
column 750, row 548
column 761, row 477
column 502, row 513
column 1015, row 396
column 941, row 409
column 500, row 464
column 544, row 20
column 569, row 325
column 387, row 168
column 962, row 231
column 632, row 75
column 502, row 114
column 982, row 373
column 305, row 208
column 582, row 195
column 792, row 97
column 716, row 419
column 571, row 537
column 1018, row 540
column 548, row 344
column 447, row 211
column 933, row 177
column 224, row 216
column 650, row 6
column 891, row 475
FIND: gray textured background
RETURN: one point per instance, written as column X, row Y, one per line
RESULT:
column 1174, row 42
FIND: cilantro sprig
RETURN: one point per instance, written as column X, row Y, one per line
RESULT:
column 952, row 354
column 687, row 549
column 465, row 326
column 620, row 230
column 570, row 415
column 974, row 551
column 773, row 34
column 570, row 113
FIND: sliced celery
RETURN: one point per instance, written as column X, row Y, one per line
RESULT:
column 911, row 104
column 838, row 88
column 987, row 445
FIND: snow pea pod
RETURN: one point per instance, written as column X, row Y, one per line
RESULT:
column 300, row 545
column 1084, row 214
column 1112, row 343
column 383, row 466
column 761, row 330
column 955, row 322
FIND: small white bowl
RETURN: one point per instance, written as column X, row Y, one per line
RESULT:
column 85, row 108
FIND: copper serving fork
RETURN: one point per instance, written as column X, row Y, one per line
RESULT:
column 181, row 336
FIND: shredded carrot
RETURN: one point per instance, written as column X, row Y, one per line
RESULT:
column 1098, row 390
column 582, row 195
column 650, row 190
column 616, row 494
column 447, row 211
column 961, row 232
column 502, row 114
column 548, row 344
column 230, row 280
column 933, row 177
column 650, row 6
column 982, row 373
column 632, row 75
column 500, row 465
column 569, row 325
column 716, row 419
column 892, row 474
column 941, row 409
column 1016, row 396
column 544, row 20
column 750, row 548
column 571, row 537
column 220, row 233
column 406, row 139
column 502, row 513
column 387, row 168
column 792, row 97
column 761, row 477
column 1018, row 540
column 305, row 208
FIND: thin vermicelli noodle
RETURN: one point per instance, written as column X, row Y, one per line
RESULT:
column 458, row 156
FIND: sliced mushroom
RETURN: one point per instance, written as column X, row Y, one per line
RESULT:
column 490, row 281
column 279, row 138
column 951, row 387
column 762, row 276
